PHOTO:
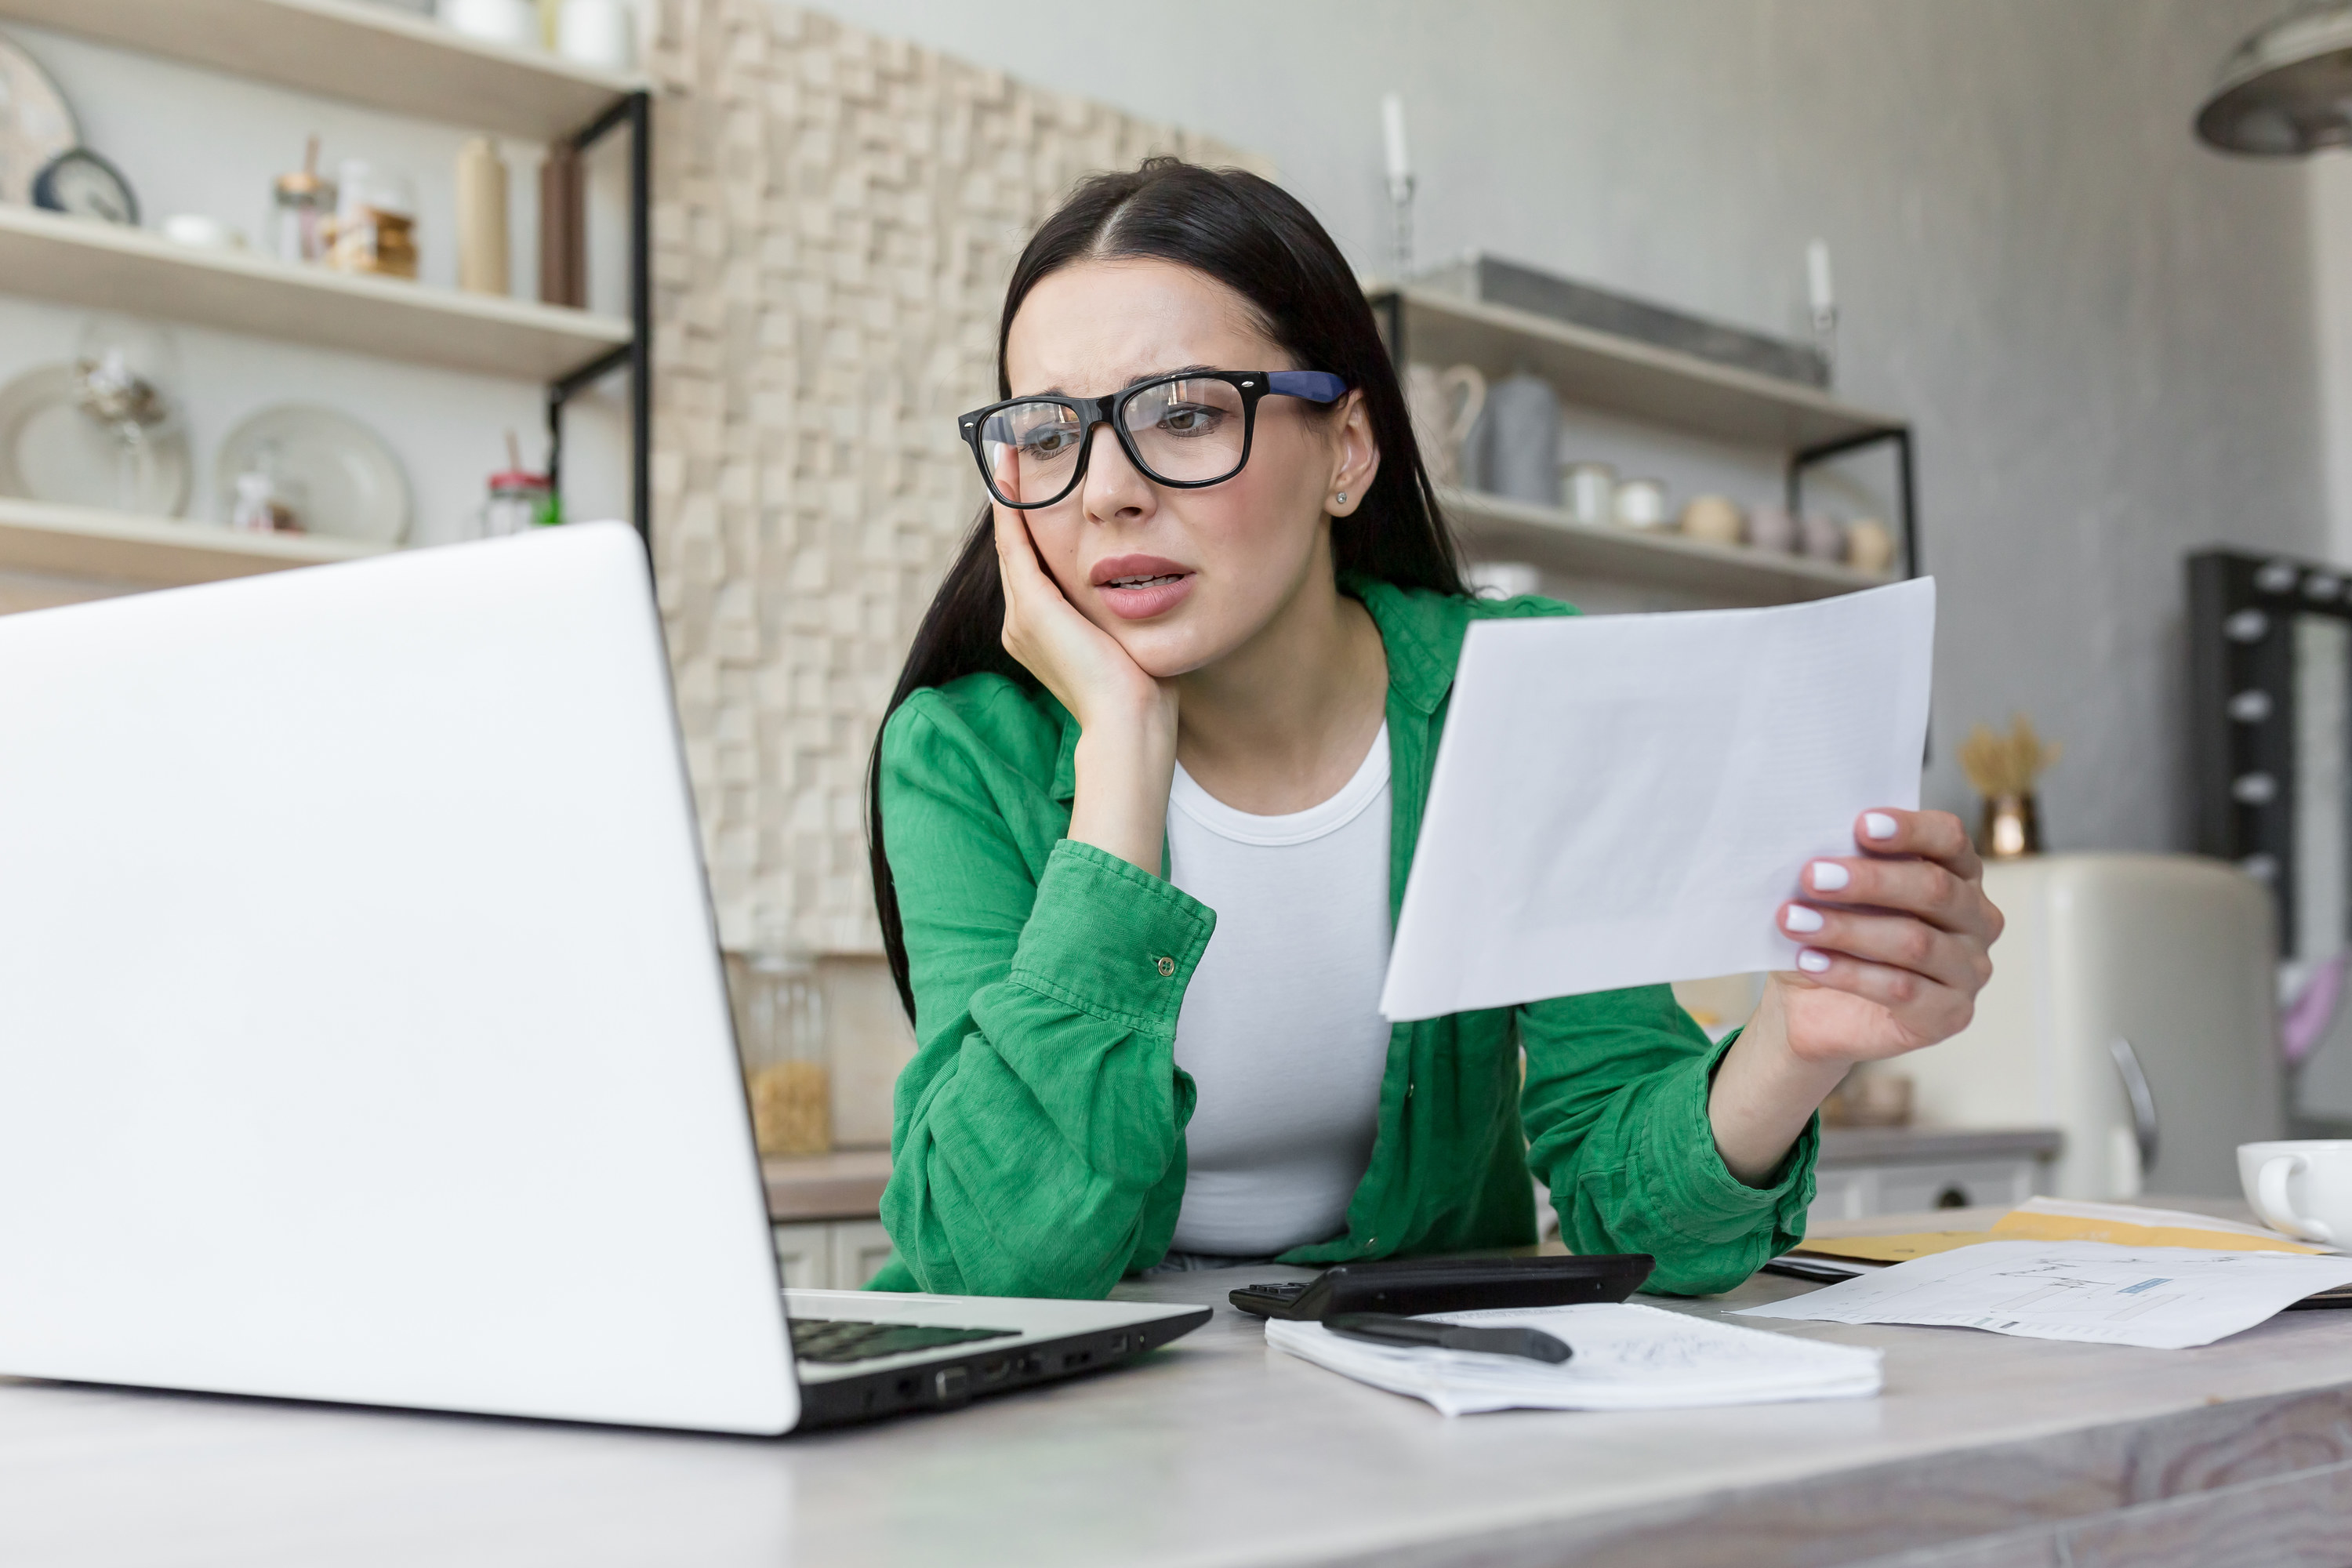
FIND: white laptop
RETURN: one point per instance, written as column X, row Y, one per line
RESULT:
column 363, row 1030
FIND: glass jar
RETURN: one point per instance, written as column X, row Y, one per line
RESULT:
column 301, row 214
column 518, row 503
column 375, row 222
column 780, row 1033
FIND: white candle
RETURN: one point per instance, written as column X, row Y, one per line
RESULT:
column 1817, row 276
column 1392, row 126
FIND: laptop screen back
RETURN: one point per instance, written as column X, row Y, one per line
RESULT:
column 365, row 1036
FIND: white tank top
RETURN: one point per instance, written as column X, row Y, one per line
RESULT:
column 1281, row 1028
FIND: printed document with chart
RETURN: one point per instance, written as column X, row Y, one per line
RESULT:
column 2166, row 1298
column 1621, row 800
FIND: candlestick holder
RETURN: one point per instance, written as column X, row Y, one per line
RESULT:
column 1401, row 211
column 1826, row 325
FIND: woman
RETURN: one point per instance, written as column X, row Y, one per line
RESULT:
column 1143, row 806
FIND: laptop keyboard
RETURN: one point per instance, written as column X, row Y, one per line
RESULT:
column 837, row 1339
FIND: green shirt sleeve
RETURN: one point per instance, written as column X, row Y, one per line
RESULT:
column 1615, row 1107
column 1042, row 1112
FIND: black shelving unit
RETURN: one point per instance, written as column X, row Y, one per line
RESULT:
column 636, row 112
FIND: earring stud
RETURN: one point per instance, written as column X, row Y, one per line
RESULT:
column 1343, row 498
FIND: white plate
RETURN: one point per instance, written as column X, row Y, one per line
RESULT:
column 35, row 123
column 342, row 481
column 51, row 451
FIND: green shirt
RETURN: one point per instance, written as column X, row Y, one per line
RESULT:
column 1038, row 1138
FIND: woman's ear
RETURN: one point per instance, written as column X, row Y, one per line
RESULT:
column 1358, row 457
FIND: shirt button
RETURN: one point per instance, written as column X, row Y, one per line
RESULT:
column 1167, row 967
column 1408, row 1091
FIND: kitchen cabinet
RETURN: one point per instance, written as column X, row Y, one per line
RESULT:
column 1865, row 1172
column 831, row 1255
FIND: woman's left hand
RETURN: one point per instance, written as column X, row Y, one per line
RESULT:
column 1895, row 953
column 1896, row 941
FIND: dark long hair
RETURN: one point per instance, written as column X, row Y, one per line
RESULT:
column 1255, row 237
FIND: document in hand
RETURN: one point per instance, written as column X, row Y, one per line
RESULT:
column 2165, row 1298
column 1620, row 800
column 1625, row 1358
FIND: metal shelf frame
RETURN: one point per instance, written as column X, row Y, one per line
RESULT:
column 636, row 355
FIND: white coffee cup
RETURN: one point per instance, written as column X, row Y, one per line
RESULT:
column 2301, row 1186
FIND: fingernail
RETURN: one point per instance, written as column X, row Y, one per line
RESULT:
column 1877, row 825
column 1797, row 917
column 1829, row 877
column 1812, row 963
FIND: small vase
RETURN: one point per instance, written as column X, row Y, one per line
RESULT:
column 2013, row 827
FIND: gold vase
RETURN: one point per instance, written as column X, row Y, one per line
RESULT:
column 2013, row 827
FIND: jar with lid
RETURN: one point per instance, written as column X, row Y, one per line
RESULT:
column 780, row 1034
column 375, row 222
column 519, row 502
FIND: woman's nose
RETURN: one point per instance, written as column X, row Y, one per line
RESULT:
column 1113, row 487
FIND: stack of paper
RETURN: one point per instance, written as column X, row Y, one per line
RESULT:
column 1625, row 1358
column 2166, row 1298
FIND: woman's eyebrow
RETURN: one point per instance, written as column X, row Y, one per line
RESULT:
column 1059, row 391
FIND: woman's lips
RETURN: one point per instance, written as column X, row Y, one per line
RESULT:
column 1137, row 587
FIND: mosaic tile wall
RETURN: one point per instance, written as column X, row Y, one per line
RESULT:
column 835, row 216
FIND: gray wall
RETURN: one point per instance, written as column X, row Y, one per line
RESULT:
column 2104, row 333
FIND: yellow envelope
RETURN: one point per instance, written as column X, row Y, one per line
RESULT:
column 2025, row 1224
column 1891, row 1249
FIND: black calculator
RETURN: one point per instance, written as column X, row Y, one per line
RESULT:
column 1410, row 1286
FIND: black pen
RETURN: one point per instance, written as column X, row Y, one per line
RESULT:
column 1388, row 1328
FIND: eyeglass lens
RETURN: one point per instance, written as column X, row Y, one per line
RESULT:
column 1184, row 432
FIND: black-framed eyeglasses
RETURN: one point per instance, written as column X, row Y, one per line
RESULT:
column 1187, row 430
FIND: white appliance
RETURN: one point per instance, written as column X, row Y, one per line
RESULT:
column 2132, row 1006
column 365, row 1036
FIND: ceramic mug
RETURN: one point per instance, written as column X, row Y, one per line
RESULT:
column 2301, row 1186
column 1586, row 490
column 514, row 23
column 600, row 33
column 1640, row 503
column 1445, row 405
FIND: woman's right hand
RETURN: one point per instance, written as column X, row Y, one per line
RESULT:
column 1126, row 719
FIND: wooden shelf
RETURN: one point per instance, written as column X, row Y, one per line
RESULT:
column 79, row 262
column 150, row 552
column 355, row 52
column 1500, row 529
column 1621, row 376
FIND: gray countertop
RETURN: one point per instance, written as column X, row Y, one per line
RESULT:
column 1904, row 1145
column 1220, row 1451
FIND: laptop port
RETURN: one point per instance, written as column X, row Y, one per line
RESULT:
column 1118, row 1344
column 1077, row 1358
column 907, row 1387
column 994, row 1371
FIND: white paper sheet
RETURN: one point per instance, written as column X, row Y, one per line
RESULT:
column 1621, row 800
column 1625, row 1358
column 2165, row 1298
